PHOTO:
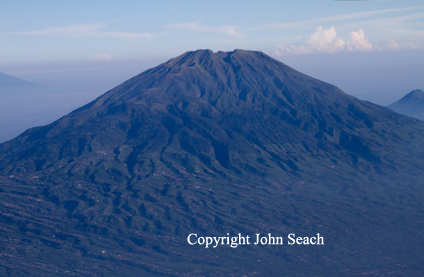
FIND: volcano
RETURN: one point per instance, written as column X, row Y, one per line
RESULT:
column 7, row 81
column 411, row 104
column 215, row 144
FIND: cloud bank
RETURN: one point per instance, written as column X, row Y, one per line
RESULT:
column 357, row 41
column 326, row 41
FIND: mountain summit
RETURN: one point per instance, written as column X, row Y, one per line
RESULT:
column 215, row 143
column 411, row 104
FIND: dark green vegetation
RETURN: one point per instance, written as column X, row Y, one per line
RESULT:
column 411, row 104
column 214, row 143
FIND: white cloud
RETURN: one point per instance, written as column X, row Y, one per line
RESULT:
column 357, row 41
column 231, row 31
column 322, row 40
column 326, row 41
column 413, row 45
column 402, row 25
column 85, row 30
column 393, row 45
column 101, row 57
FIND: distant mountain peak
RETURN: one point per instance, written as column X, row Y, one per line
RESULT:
column 411, row 104
column 7, row 80
column 417, row 94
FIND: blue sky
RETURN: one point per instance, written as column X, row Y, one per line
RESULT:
column 52, row 31
column 373, row 50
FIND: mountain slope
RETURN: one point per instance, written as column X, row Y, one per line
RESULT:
column 213, row 143
column 411, row 104
column 210, row 98
column 7, row 80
